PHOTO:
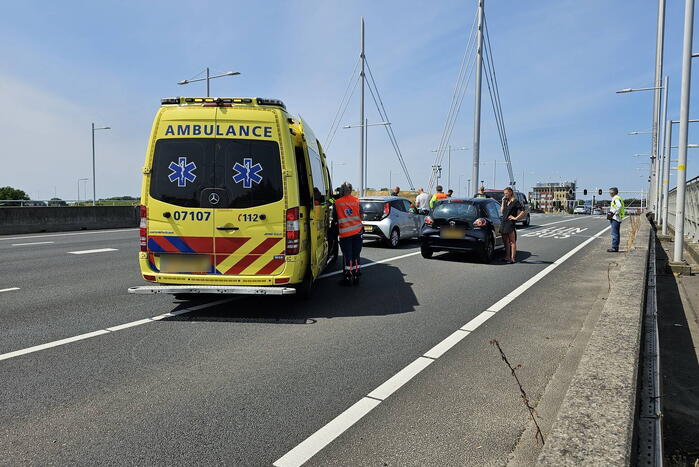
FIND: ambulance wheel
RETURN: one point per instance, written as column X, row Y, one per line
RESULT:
column 394, row 239
column 305, row 289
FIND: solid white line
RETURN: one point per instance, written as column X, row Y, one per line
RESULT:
column 477, row 321
column 439, row 349
column 373, row 263
column 69, row 234
column 99, row 250
column 327, row 434
column 109, row 330
column 395, row 382
column 9, row 289
column 557, row 222
column 33, row 243
column 324, row 436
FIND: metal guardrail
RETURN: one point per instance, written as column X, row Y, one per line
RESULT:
column 691, row 209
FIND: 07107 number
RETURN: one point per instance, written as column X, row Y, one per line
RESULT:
column 192, row 215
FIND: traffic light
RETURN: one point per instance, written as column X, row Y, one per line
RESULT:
column 585, row 192
column 599, row 192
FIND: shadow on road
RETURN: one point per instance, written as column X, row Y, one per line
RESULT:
column 382, row 291
column 498, row 257
column 680, row 370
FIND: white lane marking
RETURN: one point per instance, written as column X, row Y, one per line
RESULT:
column 396, row 381
column 324, row 436
column 112, row 329
column 99, row 250
column 9, row 289
column 441, row 348
column 373, row 263
column 477, row 321
column 328, row 433
column 32, row 243
column 69, row 234
column 558, row 222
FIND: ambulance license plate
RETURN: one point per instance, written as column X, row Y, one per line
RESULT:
column 187, row 263
column 451, row 232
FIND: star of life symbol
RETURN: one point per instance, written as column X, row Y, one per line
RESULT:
column 348, row 212
column 182, row 171
column 247, row 173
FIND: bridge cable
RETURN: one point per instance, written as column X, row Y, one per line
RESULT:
column 389, row 129
column 344, row 102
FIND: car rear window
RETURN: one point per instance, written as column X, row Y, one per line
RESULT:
column 372, row 207
column 497, row 196
column 249, row 170
column 460, row 210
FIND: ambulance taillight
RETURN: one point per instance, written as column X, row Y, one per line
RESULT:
column 142, row 228
column 293, row 233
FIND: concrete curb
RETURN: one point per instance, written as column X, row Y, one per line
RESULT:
column 22, row 220
column 595, row 423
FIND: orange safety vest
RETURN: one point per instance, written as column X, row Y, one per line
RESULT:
column 436, row 197
column 348, row 221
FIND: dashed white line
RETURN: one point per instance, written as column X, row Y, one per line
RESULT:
column 10, row 289
column 324, row 436
column 98, row 250
column 109, row 330
column 69, row 234
column 32, row 243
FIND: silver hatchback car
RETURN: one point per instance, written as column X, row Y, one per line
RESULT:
column 390, row 218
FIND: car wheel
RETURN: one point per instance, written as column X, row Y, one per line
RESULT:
column 426, row 252
column 527, row 221
column 486, row 254
column 394, row 239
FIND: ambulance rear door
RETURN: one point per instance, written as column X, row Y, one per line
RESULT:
column 180, row 224
column 250, row 207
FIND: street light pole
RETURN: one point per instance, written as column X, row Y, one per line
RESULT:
column 659, row 162
column 208, row 78
column 94, row 183
column 666, row 174
column 361, row 110
column 659, row 45
column 684, row 127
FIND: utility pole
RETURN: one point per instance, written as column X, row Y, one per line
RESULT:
column 661, row 157
column 659, row 43
column 362, row 122
column 684, row 127
column 477, row 105
column 666, row 173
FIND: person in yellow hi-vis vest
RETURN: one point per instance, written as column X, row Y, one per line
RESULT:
column 615, row 215
column 437, row 196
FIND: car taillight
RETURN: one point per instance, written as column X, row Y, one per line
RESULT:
column 428, row 220
column 293, row 233
column 143, row 227
column 386, row 210
column 480, row 222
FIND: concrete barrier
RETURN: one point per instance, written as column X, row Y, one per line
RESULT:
column 21, row 220
column 595, row 423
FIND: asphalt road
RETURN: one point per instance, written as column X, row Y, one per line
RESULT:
column 246, row 381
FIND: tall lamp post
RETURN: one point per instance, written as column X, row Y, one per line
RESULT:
column 94, row 183
column 684, row 127
column 81, row 180
column 208, row 78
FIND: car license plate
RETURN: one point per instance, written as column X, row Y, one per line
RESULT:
column 368, row 228
column 451, row 233
column 187, row 263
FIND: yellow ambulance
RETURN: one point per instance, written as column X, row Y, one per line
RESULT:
column 235, row 200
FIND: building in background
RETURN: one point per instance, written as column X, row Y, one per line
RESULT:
column 553, row 196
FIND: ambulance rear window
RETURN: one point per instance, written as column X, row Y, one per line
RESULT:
column 249, row 170
column 182, row 168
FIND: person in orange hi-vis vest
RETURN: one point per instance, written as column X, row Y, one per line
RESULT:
column 349, row 222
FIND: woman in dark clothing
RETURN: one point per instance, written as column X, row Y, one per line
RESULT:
column 512, row 211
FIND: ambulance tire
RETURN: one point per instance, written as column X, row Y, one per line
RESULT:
column 304, row 290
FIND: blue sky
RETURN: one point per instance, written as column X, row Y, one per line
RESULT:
column 67, row 64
